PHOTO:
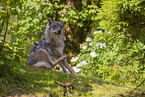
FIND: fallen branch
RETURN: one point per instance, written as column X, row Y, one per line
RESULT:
column 65, row 86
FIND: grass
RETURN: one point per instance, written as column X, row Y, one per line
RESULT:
column 40, row 82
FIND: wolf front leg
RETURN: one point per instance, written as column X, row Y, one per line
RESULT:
column 57, row 61
column 64, row 62
column 64, row 68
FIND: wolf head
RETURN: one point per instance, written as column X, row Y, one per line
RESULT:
column 55, row 33
column 55, row 27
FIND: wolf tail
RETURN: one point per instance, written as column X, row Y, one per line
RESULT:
column 42, row 64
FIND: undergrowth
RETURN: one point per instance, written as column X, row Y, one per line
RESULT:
column 40, row 82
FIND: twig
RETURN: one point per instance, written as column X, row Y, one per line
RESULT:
column 66, row 86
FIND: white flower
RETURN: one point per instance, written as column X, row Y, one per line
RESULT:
column 81, row 63
column 84, row 47
column 93, row 54
column 125, row 88
column 74, row 59
column 104, row 44
column 88, row 39
column 100, row 44
column 122, row 36
column 68, row 28
column 90, row 44
column 76, row 69
column 62, row 15
column 100, row 31
column 81, row 46
column 128, row 35
column 97, row 45
column 109, row 32
column 95, row 32
column 65, row 10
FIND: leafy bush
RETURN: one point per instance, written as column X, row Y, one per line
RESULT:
column 23, row 23
column 12, row 59
column 125, row 16
column 108, row 58
column 117, row 54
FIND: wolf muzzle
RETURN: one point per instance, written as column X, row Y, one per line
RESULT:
column 58, row 32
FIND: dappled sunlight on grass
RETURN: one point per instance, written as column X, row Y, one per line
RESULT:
column 40, row 82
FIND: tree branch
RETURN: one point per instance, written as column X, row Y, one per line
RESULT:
column 7, row 21
column 2, row 26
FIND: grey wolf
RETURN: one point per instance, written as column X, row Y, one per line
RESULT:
column 50, row 47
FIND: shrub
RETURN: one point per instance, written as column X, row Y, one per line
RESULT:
column 117, row 54
column 107, row 57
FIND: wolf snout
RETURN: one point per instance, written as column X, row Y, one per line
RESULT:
column 58, row 32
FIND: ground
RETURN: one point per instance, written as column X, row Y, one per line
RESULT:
column 40, row 82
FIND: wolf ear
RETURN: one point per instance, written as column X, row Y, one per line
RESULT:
column 63, row 22
column 49, row 21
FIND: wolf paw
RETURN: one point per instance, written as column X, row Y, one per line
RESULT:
column 63, row 57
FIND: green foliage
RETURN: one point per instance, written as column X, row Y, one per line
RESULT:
column 73, row 16
column 12, row 59
column 117, row 54
column 26, row 24
column 107, row 57
column 126, row 16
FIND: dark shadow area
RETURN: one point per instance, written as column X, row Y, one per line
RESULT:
column 136, row 94
column 40, row 80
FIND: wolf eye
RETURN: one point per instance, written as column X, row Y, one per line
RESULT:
column 54, row 26
column 61, row 26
